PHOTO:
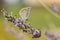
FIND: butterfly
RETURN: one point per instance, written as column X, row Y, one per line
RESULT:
column 25, row 12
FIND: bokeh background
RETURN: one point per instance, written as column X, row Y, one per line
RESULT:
column 41, row 17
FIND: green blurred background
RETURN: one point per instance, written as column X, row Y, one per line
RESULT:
column 40, row 18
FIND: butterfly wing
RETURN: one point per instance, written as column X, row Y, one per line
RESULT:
column 25, row 12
